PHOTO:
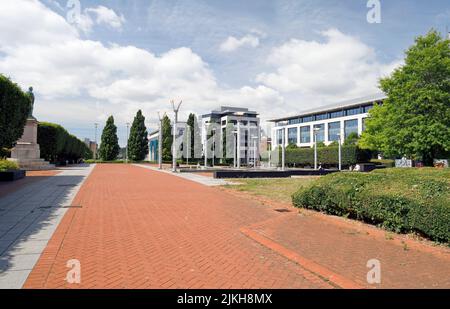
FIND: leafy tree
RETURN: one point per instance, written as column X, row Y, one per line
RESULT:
column 166, row 139
column 14, row 108
column 415, row 119
column 352, row 139
column 196, row 143
column 109, row 147
column 138, row 140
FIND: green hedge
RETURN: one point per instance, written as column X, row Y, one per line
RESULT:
column 385, row 162
column 57, row 145
column 401, row 200
column 327, row 156
column 14, row 109
column 6, row 165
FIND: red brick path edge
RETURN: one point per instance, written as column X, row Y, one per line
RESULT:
column 144, row 229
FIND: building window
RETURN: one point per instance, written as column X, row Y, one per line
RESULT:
column 334, row 128
column 308, row 119
column 294, row 121
column 280, row 137
column 367, row 108
column 353, row 111
column 364, row 124
column 320, row 134
column 305, row 135
column 351, row 126
column 337, row 114
column 292, row 136
column 322, row 116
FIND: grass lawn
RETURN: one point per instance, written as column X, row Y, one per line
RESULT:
column 279, row 189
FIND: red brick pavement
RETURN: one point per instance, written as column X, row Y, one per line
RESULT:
column 333, row 246
column 143, row 229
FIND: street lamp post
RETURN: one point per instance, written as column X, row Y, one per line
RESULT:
column 315, row 132
column 214, row 146
column 174, row 144
column 340, row 151
column 160, row 137
column 96, row 144
column 205, row 146
column 283, row 150
column 234, row 148
column 255, row 139
column 126, row 150
column 238, row 151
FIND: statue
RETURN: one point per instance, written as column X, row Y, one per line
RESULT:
column 31, row 96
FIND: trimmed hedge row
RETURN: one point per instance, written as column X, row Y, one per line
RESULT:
column 57, row 145
column 327, row 156
column 398, row 200
column 6, row 165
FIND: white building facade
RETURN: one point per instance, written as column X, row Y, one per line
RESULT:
column 330, row 122
column 242, row 120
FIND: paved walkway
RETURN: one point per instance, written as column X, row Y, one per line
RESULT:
column 201, row 178
column 139, row 228
column 29, row 215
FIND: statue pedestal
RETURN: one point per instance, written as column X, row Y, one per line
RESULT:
column 27, row 153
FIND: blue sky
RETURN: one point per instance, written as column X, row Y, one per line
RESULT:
column 277, row 57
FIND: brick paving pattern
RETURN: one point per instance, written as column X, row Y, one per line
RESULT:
column 144, row 229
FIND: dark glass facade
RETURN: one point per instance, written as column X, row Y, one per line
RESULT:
column 305, row 135
column 292, row 135
column 334, row 128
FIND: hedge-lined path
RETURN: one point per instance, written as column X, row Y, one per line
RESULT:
column 345, row 246
column 30, row 212
column 139, row 228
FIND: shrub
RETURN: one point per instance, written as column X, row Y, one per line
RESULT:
column 6, row 165
column 385, row 162
column 14, row 108
column 57, row 145
column 328, row 156
column 401, row 200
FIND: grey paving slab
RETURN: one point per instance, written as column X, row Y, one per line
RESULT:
column 13, row 278
column 29, row 218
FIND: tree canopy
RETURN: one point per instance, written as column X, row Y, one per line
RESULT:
column 138, row 140
column 14, row 109
column 109, row 147
column 414, row 121
column 166, row 139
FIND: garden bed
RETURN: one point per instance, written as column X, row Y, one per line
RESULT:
column 400, row 200
column 12, row 175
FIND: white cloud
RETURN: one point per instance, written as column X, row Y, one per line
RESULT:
column 106, row 16
column 79, row 81
column 338, row 68
column 232, row 44
column 100, row 15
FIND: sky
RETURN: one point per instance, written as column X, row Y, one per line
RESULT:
column 89, row 59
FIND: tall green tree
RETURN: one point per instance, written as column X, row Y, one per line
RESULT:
column 195, row 135
column 415, row 119
column 109, row 147
column 14, row 108
column 166, row 139
column 138, row 140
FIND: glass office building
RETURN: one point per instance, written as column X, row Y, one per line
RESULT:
column 330, row 122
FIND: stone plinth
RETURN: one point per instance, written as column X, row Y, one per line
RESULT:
column 27, row 153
